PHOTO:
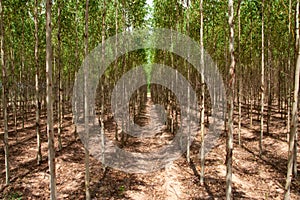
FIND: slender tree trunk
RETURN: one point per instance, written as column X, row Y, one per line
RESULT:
column 22, row 79
column 5, row 99
column 37, row 95
column 188, row 89
column 14, row 86
column 296, row 82
column 60, row 95
column 76, row 64
column 294, row 123
column 202, row 153
column 116, row 60
column 50, row 132
column 251, row 106
column 289, row 72
column 241, row 74
column 251, row 87
column 86, row 106
column 231, row 102
column 262, row 83
column 269, row 86
column 101, row 122
column 124, row 65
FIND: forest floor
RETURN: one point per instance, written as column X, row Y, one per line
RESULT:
column 253, row 177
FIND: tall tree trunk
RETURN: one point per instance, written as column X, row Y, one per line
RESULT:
column 37, row 95
column 269, row 86
column 86, row 106
column 124, row 65
column 116, row 60
column 251, row 98
column 22, row 79
column 101, row 122
column 241, row 73
column 294, row 121
column 231, row 102
column 262, row 88
column 60, row 95
column 50, row 132
column 188, row 89
column 14, row 86
column 296, row 82
column 289, row 73
column 4, row 96
column 202, row 153
column 75, row 70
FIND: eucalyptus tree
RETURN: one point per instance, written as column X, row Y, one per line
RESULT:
column 86, row 106
column 262, row 88
column 240, row 79
column 294, row 122
column 4, row 95
column 101, row 123
column 50, row 131
column 231, row 103
column 187, row 27
column 37, row 89
column 202, row 125
column 59, row 66
column 288, row 124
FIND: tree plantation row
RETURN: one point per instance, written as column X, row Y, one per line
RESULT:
column 47, row 48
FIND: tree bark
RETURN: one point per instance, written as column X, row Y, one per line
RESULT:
column 231, row 103
column 37, row 95
column 202, row 153
column 60, row 95
column 241, row 74
column 50, row 132
column 296, row 82
column 294, row 122
column 101, row 122
column 262, row 83
column 86, row 106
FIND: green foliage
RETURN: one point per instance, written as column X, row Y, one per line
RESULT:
column 173, row 14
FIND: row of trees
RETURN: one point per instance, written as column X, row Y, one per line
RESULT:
column 260, row 64
column 26, row 46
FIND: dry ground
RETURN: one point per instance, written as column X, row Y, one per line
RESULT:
column 253, row 177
